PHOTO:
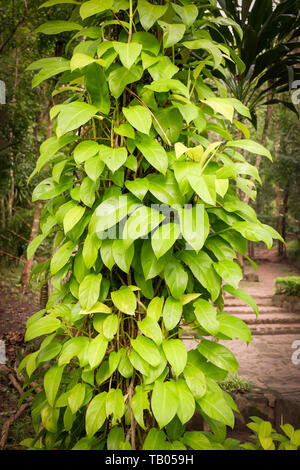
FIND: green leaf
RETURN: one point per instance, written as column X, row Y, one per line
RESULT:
column 139, row 363
column 194, row 225
column 140, row 223
column 150, row 13
column 96, row 350
column 172, row 313
column 154, row 309
column 89, row 290
column 169, row 84
column 150, row 328
column 206, row 316
column 155, row 440
column 204, row 186
column 125, row 300
column 154, row 153
column 173, row 33
column 139, row 403
column 128, row 52
column 151, row 266
column 106, row 253
column 164, row 238
column 216, row 407
column 115, row 437
column 52, row 381
column 176, row 278
column 111, row 211
column 42, row 326
column 34, row 244
column 139, row 117
column 48, row 189
column 188, row 13
column 186, row 401
column 95, row 414
column 201, row 266
column 176, row 354
column 97, row 87
column 110, row 326
column 57, row 26
column 209, row 46
column 85, row 150
column 114, row 158
column 50, row 3
column 76, row 397
column 139, row 187
column 72, row 217
column 50, row 418
column 125, row 367
column 234, row 327
column 115, row 405
column 122, row 256
column 195, row 380
column 92, row 7
column 222, row 106
column 80, row 60
column 164, row 402
column 196, row 440
column 90, row 250
column 244, row 296
column 87, row 191
column 50, row 67
column 147, row 349
column 218, row 355
column 72, row 348
column 250, row 146
column 126, row 130
column 229, row 271
column 121, row 77
column 73, row 115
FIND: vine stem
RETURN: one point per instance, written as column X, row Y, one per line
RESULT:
column 130, row 21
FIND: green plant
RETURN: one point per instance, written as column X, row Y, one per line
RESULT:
column 267, row 438
column 147, row 224
column 235, row 383
column 289, row 285
column 293, row 250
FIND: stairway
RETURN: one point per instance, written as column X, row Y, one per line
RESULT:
column 271, row 321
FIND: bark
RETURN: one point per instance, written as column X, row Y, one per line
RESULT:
column 11, row 196
column 284, row 217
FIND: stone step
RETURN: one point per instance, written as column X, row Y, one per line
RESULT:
column 275, row 329
column 245, row 309
column 283, row 319
column 233, row 302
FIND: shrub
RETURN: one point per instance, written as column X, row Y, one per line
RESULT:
column 289, row 285
column 267, row 438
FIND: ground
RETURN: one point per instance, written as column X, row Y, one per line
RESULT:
column 266, row 361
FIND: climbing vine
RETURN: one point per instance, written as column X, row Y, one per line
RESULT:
column 143, row 205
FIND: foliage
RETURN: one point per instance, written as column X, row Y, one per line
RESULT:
column 289, row 285
column 268, row 49
column 267, row 438
column 141, row 201
column 235, row 383
column 293, row 250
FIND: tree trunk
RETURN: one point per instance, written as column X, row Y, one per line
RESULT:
column 284, row 217
column 34, row 232
column 11, row 196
